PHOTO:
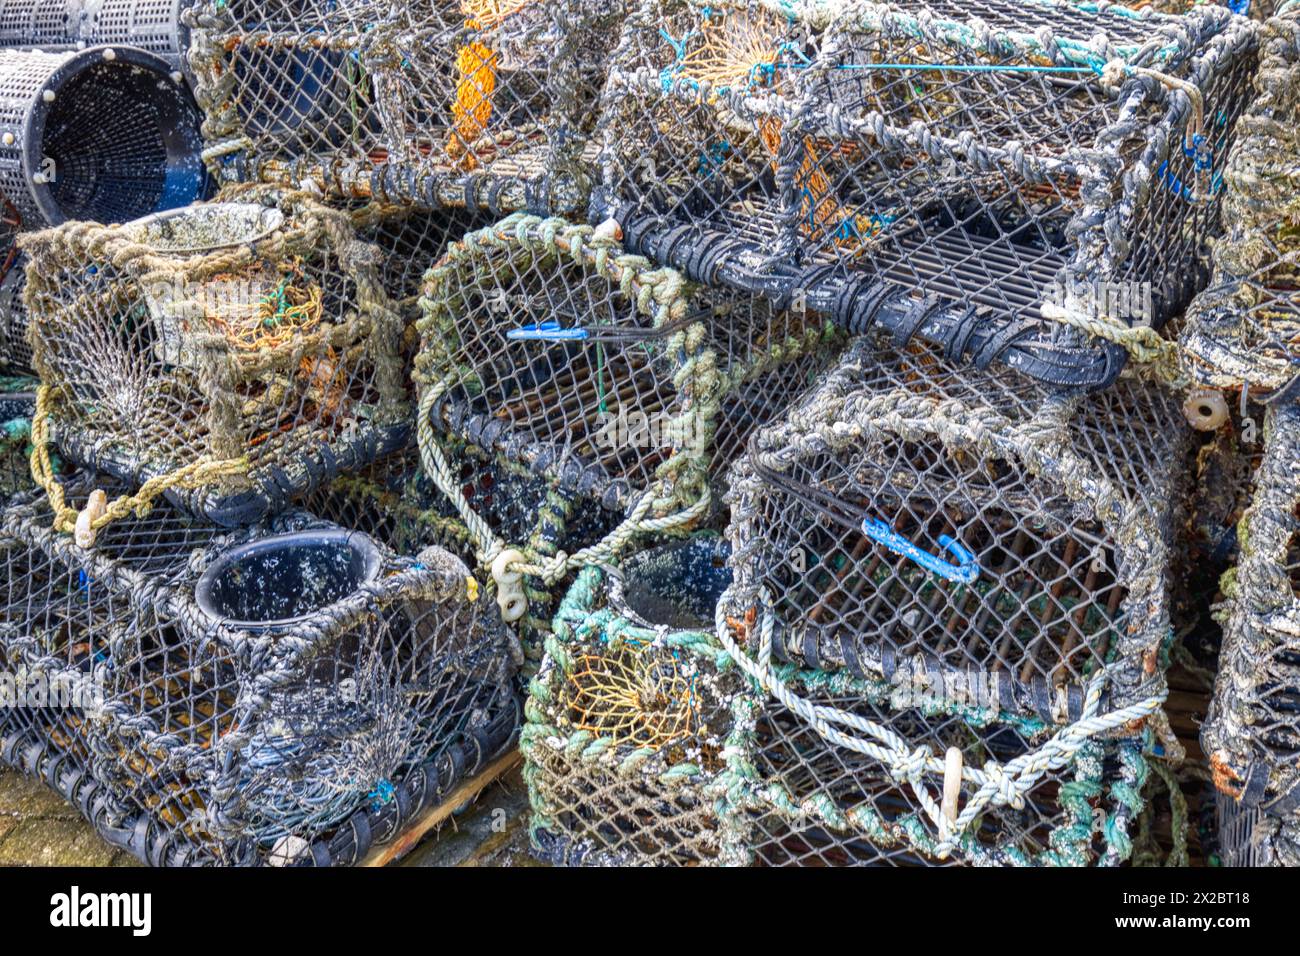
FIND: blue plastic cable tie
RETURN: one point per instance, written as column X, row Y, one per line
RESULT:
column 546, row 331
column 964, row 571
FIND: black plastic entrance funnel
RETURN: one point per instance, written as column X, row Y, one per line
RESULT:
column 106, row 134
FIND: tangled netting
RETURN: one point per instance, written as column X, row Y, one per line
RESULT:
column 1026, row 182
column 287, row 693
column 631, row 712
column 475, row 103
column 1252, row 735
column 1244, row 331
column 394, row 502
column 230, row 355
column 545, row 345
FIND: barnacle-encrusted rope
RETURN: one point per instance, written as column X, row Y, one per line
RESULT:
column 998, row 783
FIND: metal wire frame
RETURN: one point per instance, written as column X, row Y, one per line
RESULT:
column 437, row 103
column 1252, row 733
column 630, row 714
column 964, row 538
column 275, row 742
column 1244, row 330
column 895, row 200
column 252, row 335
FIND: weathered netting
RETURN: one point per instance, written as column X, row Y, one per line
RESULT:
column 1253, row 736
column 231, row 355
column 1244, row 331
column 396, row 503
column 811, row 802
column 411, row 239
column 966, row 538
column 1026, row 182
column 475, row 103
column 630, row 714
column 545, row 345
column 288, row 693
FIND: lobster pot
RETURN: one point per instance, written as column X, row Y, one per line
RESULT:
column 152, row 25
column 1008, row 184
column 435, row 103
column 631, row 712
column 15, row 349
column 249, row 339
column 965, row 537
column 289, row 693
column 692, row 115
column 1241, row 332
column 1252, row 734
column 104, row 134
column 551, row 347
column 812, row 803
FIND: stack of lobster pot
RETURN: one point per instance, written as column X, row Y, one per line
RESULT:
column 102, row 133
column 473, row 104
column 1029, row 185
column 252, row 683
column 613, row 382
column 1239, row 339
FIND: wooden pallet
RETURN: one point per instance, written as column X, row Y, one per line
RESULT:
column 427, row 821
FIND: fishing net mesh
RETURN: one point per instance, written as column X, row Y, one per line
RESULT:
column 966, row 538
column 468, row 103
column 626, row 726
column 1245, row 329
column 1252, row 736
column 1008, row 182
column 232, row 354
column 395, row 502
column 812, row 803
column 287, row 693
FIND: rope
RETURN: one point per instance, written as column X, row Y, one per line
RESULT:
column 192, row 475
column 997, row 783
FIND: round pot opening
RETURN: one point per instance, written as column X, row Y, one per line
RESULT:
column 206, row 228
column 286, row 578
column 678, row 585
column 113, row 137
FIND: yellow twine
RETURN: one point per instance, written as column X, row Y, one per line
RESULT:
column 635, row 696
column 476, row 66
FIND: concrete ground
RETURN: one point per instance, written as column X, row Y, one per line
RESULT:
column 38, row 828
